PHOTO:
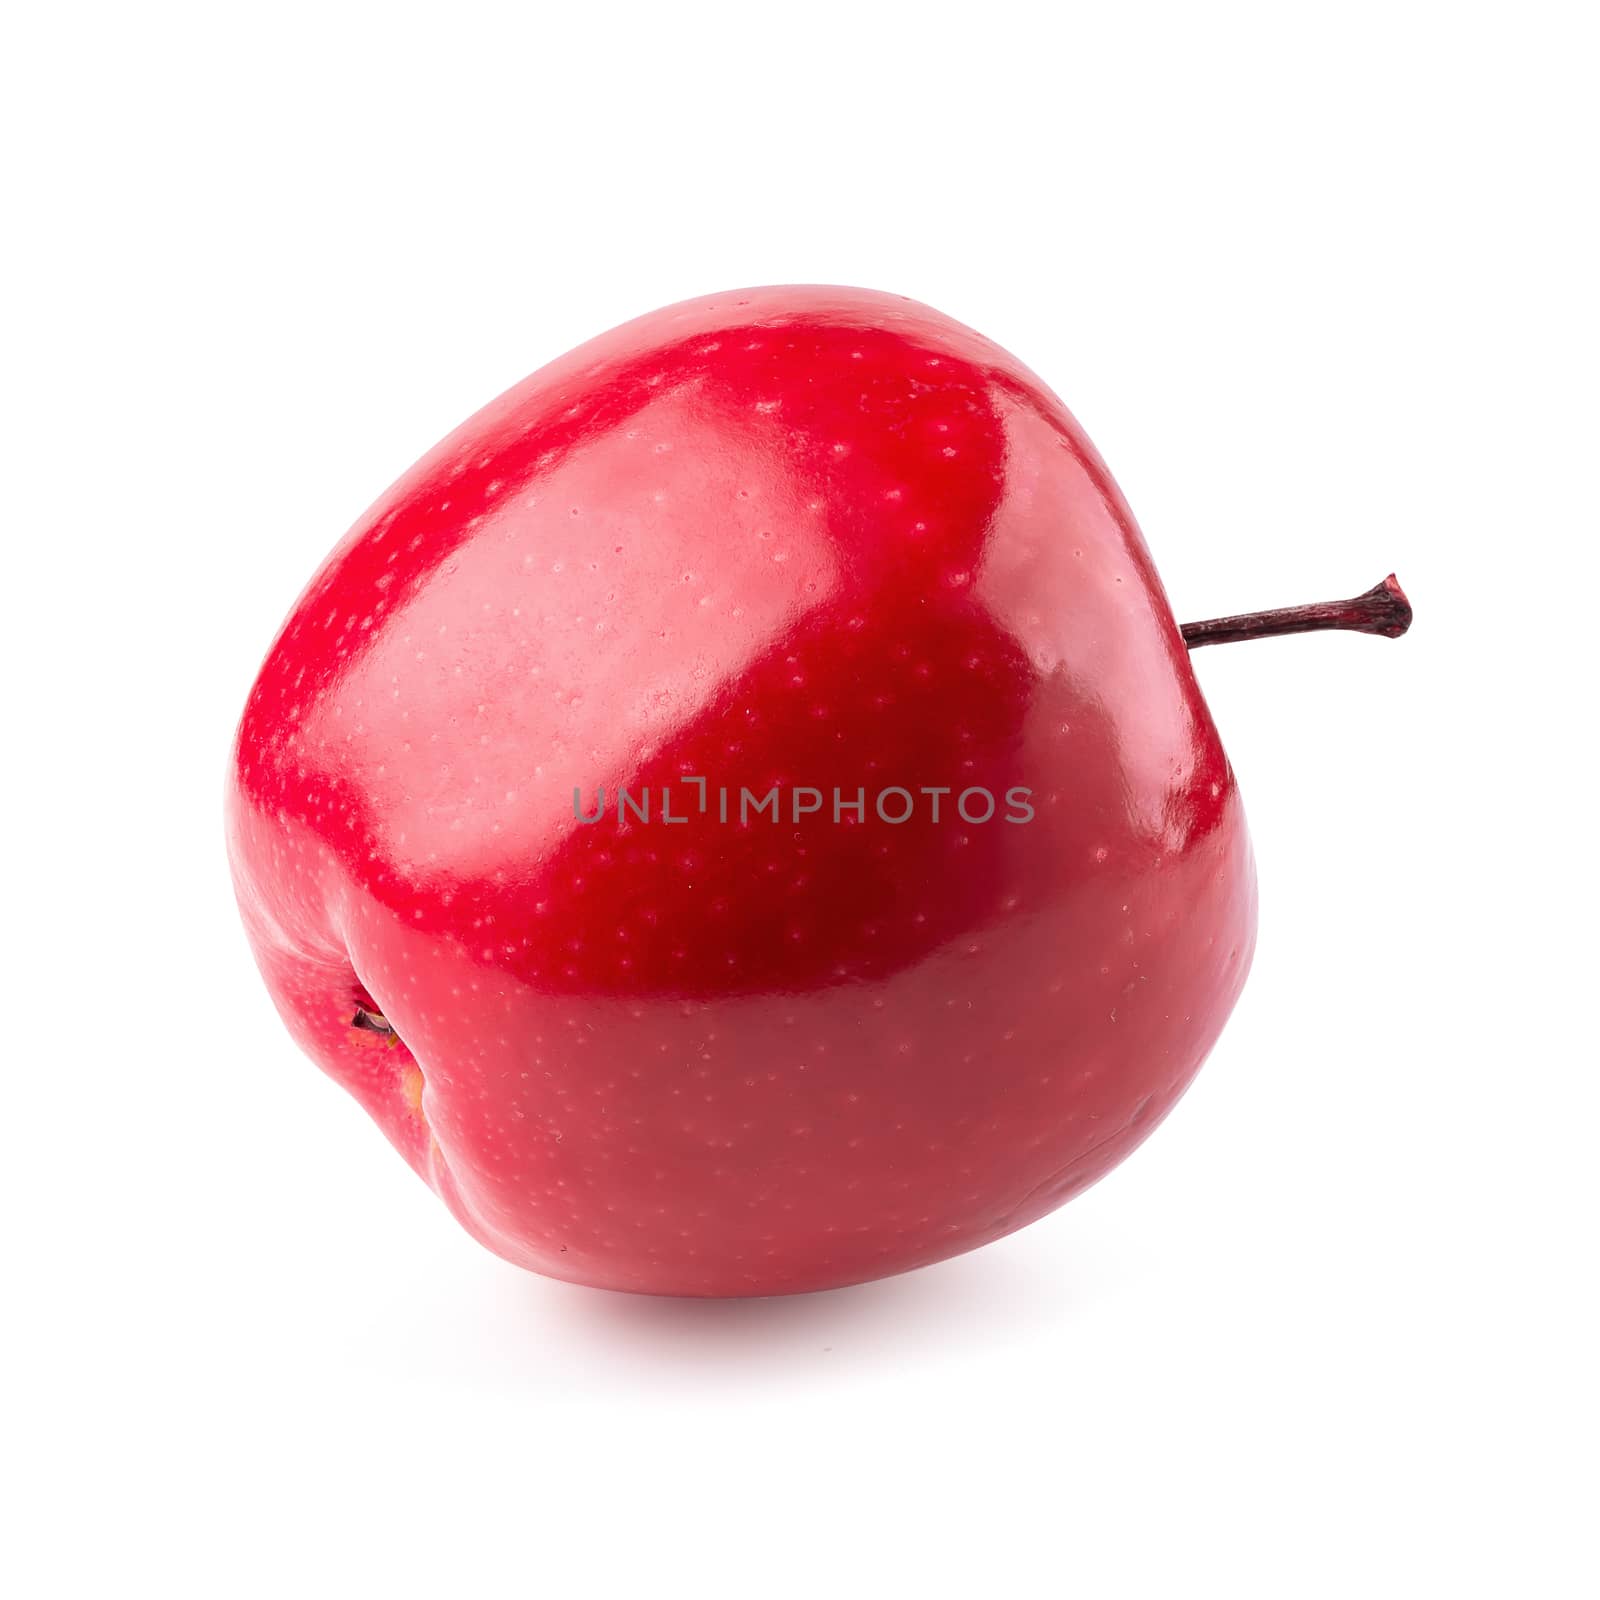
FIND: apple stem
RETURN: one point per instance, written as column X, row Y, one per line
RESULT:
column 371, row 1021
column 1382, row 609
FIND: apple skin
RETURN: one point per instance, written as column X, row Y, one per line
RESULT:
column 809, row 536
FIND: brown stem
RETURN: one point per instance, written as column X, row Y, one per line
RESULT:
column 1382, row 609
column 371, row 1021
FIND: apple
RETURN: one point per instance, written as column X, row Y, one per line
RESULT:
column 739, row 814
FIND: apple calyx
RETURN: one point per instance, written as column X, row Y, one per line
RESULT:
column 1383, row 609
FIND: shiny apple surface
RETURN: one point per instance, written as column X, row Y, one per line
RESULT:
column 781, row 542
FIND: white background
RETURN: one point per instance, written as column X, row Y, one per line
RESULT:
column 1321, row 284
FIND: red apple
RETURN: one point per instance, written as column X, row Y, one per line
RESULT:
column 803, row 539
